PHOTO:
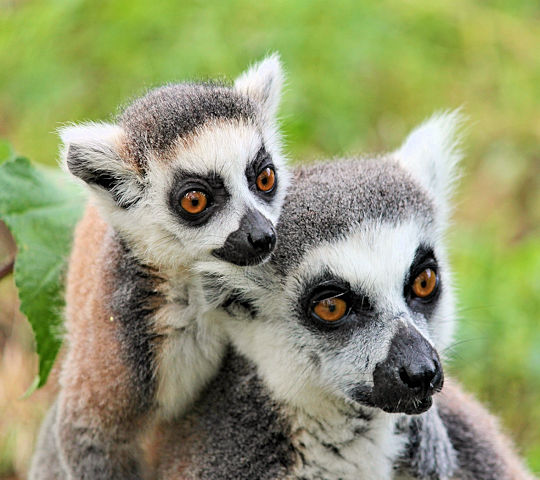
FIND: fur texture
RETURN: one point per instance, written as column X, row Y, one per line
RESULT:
column 138, row 346
column 359, row 231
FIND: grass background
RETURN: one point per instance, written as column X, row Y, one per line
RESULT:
column 360, row 75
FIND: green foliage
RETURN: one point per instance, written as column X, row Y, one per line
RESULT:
column 40, row 208
column 6, row 152
column 359, row 73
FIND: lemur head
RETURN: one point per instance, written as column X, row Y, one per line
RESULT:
column 356, row 302
column 191, row 170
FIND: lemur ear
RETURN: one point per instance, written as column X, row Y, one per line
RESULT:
column 263, row 83
column 90, row 153
column 432, row 154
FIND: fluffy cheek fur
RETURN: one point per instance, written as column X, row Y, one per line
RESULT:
column 284, row 354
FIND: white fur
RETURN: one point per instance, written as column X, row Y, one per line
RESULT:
column 374, row 258
column 263, row 82
column 362, row 457
column 432, row 154
column 100, row 144
column 188, row 358
column 223, row 146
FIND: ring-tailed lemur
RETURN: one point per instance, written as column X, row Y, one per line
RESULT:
column 334, row 360
column 190, row 172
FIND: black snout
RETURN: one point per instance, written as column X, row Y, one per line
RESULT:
column 422, row 377
column 262, row 241
column 251, row 243
column 410, row 375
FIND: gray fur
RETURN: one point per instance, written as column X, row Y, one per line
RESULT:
column 329, row 200
column 108, row 451
column 477, row 455
column 137, row 332
column 355, row 192
column 134, row 301
column 329, row 435
column 235, row 431
column 429, row 453
column 46, row 464
column 155, row 121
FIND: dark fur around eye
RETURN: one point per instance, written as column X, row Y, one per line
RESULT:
column 327, row 286
column 261, row 161
column 211, row 185
column 424, row 258
column 324, row 293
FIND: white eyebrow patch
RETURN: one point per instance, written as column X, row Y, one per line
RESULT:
column 375, row 258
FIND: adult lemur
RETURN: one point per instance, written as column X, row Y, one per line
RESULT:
column 190, row 172
column 334, row 361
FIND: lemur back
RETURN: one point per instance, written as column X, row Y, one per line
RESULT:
column 189, row 172
column 334, row 369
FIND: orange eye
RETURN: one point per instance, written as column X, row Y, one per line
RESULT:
column 266, row 180
column 425, row 283
column 194, row 202
column 331, row 309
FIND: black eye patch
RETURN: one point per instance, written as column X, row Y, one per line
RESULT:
column 211, row 185
column 261, row 161
column 330, row 307
column 424, row 261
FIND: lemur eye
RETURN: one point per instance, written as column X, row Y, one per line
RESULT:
column 331, row 309
column 266, row 180
column 194, row 202
column 425, row 283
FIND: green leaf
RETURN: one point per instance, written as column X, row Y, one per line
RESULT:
column 41, row 208
column 6, row 151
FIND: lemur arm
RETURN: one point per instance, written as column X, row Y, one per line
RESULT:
column 107, row 377
column 483, row 451
column 429, row 453
column 46, row 463
column 458, row 439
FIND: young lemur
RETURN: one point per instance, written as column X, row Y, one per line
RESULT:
column 190, row 171
column 334, row 359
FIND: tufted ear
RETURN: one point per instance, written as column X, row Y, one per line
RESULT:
column 263, row 83
column 431, row 153
column 90, row 153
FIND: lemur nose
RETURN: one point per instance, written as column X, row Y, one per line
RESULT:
column 423, row 377
column 262, row 241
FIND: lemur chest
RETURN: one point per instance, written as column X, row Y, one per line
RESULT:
column 356, row 449
column 189, row 351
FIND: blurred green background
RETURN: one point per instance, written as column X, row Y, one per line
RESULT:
column 360, row 75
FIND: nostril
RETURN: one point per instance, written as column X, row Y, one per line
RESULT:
column 438, row 380
column 421, row 380
column 262, row 243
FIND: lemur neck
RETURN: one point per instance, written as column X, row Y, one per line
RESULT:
column 241, row 422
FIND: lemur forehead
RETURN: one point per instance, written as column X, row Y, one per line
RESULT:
column 223, row 146
column 155, row 121
column 329, row 200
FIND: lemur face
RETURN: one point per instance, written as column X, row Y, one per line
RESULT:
column 371, row 306
column 190, row 171
column 356, row 301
